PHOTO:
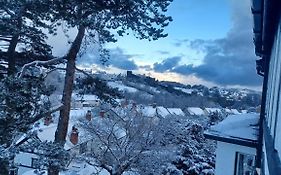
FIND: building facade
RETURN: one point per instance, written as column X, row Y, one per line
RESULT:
column 267, row 40
column 264, row 156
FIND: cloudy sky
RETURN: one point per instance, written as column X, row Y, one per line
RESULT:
column 209, row 42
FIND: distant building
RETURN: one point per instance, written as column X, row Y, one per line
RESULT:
column 131, row 76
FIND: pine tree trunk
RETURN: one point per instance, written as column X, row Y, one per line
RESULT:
column 61, row 132
column 13, row 44
column 6, row 139
column 11, row 54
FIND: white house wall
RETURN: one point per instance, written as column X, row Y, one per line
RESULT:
column 273, row 104
column 24, row 159
column 278, row 105
column 266, row 171
column 225, row 157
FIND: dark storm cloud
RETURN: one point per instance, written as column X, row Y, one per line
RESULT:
column 167, row 64
column 230, row 60
column 146, row 67
column 120, row 60
column 117, row 59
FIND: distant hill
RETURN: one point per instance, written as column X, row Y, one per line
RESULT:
column 146, row 90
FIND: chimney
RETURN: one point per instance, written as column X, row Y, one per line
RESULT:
column 74, row 135
column 124, row 103
column 89, row 115
column 102, row 112
column 48, row 120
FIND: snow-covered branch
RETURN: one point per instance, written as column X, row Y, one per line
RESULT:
column 40, row 116
column 40, row 63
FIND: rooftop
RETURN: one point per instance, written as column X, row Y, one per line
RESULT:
column 237, row 129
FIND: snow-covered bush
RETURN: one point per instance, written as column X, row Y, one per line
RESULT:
column 23, row 101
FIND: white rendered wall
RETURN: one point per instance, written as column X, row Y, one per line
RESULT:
column 225, row 157
column 266, row 171
column 24, row 159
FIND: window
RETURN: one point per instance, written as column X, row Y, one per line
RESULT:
column 13, row 171
column 83, row 148
column 35, row 163
column 245, row 164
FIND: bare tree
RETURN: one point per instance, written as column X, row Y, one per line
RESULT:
column 121, row 140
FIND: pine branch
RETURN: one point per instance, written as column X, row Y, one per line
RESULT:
column 40, row 116
column 40, row 63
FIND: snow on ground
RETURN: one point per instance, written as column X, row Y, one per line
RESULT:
column 175, row 111
column 121, row 86
column 188, row 91
column 47, row 133
column 241, row 126
column 83, row 168
column 195, row 111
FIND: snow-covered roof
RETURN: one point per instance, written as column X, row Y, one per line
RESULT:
column 227, row 110
column 162, row 111
column 175, row 111
column 89, row 97
column 195, row 111
column 210, row 110
column 235, row 111
column 239, row 129
column 149, row 111
column 47, row 133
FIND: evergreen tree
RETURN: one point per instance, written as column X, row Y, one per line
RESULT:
column 21, row 24
column 98, row 19
column 28, row 102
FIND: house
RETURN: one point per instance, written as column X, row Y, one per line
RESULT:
column 267, row 40
column 155, row 111
column 237, row 141
column 195, row 111
column 176, row 111
column 77, row 141
column 261, row 154
column 212, row 110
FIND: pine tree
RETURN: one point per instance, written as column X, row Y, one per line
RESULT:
column 26, row 106
column 98, row 19
column 21, row 24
